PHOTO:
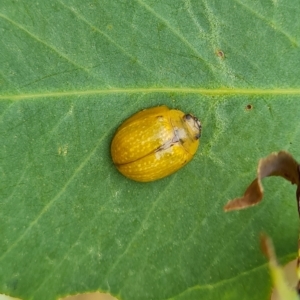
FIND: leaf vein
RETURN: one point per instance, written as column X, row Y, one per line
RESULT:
column 36, row 38
column 175, row 32
column 153, row 206
column 148, row 90
column 111, row 40
column 54, row 199
column 273, row 26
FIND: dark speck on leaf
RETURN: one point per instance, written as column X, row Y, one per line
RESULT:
column 220, row 53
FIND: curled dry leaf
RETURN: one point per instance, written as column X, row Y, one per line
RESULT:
column 276, row 164
column 283, row 290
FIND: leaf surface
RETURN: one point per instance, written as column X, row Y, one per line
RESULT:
column 70, row 73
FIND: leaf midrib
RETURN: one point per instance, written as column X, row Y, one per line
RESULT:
column 184, row 90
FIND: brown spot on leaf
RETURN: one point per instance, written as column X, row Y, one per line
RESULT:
column 220, row 53
column 249, row 107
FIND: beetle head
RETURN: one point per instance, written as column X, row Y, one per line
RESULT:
column 193, row 125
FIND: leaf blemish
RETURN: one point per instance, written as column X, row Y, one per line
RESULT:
column 63, row 150
column 220, row 54
column 70, row 112
column 249, row 107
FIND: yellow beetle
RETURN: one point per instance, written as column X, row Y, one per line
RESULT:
column 155, row 143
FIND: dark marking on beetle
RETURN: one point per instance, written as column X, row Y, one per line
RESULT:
column 199, row 126
column 196, row 124
column 176, row 138
column 166, row 145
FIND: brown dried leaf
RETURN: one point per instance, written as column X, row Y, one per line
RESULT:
column 283, row 290
column 276, row 164
column 267, row 248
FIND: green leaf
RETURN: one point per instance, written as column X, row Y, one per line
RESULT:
column 70, row 73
